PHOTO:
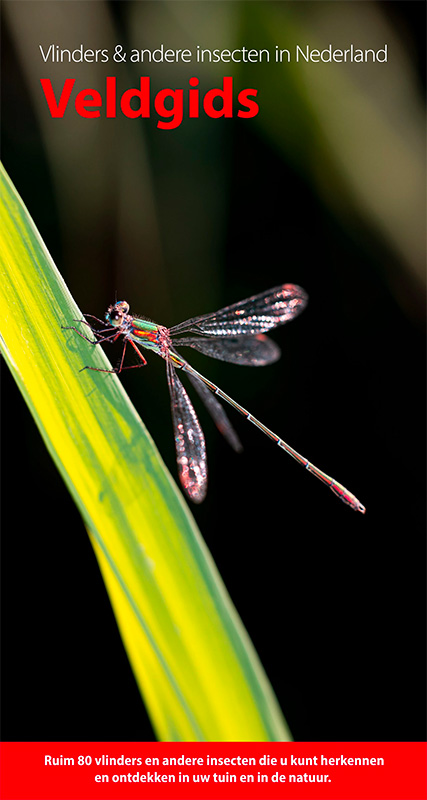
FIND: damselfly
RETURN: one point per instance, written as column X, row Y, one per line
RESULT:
column 235, row 334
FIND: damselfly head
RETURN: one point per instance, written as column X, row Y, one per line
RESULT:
column 116, row 313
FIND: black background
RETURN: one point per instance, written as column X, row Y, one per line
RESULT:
column 333, row 600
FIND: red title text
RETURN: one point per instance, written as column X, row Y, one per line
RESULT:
column 170, row 105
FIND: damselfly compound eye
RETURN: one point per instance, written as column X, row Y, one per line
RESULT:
column 114, row 315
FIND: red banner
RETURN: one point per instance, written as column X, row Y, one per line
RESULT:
column 231, row 771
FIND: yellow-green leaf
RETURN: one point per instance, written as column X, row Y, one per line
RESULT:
column 196, row 668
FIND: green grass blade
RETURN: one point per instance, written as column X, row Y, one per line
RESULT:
column 196, row 668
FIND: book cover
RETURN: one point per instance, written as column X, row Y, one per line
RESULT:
column 184, row 156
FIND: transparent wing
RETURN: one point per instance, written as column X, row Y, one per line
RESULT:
column 217, row 413
column 248, row 351
column 255, row 315
column 189, row 440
